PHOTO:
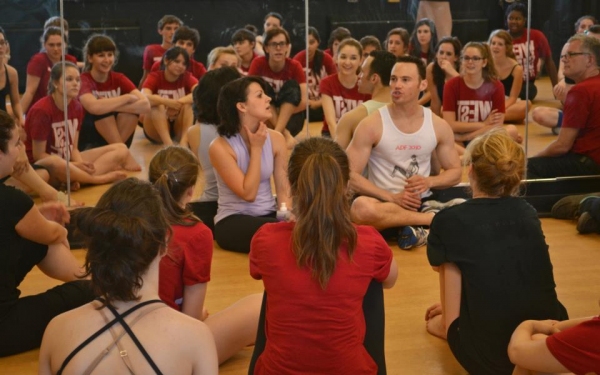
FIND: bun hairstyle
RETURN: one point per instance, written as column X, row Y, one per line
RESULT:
column 173, row 170
column 498, row 163
column 319, row 172
column 124, row 233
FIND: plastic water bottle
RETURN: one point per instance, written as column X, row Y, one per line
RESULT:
column 283, row 214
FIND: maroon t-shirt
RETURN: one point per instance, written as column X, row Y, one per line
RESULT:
column 314, row 78
column 344, row 99
column 196, row 68
column 291, row 70
column 152, row 54
column 45, row 122
column 582, row 111
column 577, row 348
column 538, row 48
column 40, row 66
column 158, row 84
column 473, row 105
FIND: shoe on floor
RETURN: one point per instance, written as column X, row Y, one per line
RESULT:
column 434, row 206
column 589, row 203
column 412, row 236
column 567, row 208
column 587, row 224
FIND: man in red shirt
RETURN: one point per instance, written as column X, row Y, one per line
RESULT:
column 576, row 151
column 167, row 26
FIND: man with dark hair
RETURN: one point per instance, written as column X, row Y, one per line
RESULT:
column 576, row 151
column 244, row 42
column 167, row 26
column 374, row 79
column 188, row 39
column 398, row 143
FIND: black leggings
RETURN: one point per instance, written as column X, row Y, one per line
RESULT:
column 289, row 93
column 235, row 232
column 206, row 212
column 374, row 312
column 23, row 321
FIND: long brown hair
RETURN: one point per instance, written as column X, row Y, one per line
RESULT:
column 319, row 171
column 173, row 170
column 489, row 70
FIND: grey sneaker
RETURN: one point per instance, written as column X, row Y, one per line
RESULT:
column 587, row 224
column 410, row 237
column 436, row 206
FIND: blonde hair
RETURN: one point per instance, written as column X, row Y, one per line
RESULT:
column 498, row 163
column 215, row 53
column 505, row 36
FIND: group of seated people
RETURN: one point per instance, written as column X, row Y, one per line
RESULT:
column 235, row 123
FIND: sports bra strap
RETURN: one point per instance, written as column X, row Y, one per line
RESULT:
column 135, row 339
column 106, row 327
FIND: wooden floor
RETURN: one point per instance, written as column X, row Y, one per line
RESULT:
column 409, row 349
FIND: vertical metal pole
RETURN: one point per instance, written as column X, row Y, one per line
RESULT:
column 527, row 57
column 65, row 104
column 307, row 66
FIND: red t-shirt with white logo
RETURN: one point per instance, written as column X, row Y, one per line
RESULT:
column 40, row 66
column 152, row 54
column 291, row 70
column 116, row 84
column 46, row 122
column 473, row 105
column 158, row 84
column 196, row 68
column 344, row 99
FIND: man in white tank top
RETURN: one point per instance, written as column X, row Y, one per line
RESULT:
column 374, row 79
column 397, row 143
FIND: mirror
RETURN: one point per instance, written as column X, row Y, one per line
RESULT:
column 23, row 24
column 471, row 21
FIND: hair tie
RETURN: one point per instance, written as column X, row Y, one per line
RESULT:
column 172, row 174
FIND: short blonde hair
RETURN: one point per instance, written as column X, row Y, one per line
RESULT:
column 498, row 163
column 216, row 52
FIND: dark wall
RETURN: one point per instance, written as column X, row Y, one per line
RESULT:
column 132, row 23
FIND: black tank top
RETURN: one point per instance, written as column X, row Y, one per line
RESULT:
column 508, row 81
column 5, row 91
column 119, row 318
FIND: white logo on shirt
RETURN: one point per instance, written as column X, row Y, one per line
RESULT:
column 60, row 139
column 107, row 93
column 473, row 110
column 172, row 94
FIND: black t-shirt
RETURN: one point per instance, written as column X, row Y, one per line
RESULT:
column 500, row 249
column 14, row 206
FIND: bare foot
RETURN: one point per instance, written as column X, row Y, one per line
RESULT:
column 132, row 166
column 435, row 327
column 109, row 177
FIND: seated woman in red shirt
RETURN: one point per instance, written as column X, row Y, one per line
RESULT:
column 184, row 272
column 38, row 68
column 473, row 102
column 169, row 91
column 287, row 81
column 47, row 143
column 340, row 91
column 111, row 101
column 556, row 347
column 320, row 65
column 316, row 271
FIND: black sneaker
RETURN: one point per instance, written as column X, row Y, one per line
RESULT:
column 587, row 224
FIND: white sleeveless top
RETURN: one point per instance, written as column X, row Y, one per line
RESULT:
column 399, row 155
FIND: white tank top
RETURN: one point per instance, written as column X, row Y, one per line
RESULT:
column 399, row 155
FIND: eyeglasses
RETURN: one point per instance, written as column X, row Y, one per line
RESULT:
column 569, row 55
column 277, row 45
column 471, row 58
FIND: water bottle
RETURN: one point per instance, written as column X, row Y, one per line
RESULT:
column 283, row 214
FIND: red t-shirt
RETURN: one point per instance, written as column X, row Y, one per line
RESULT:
column 116, row 84
column 539, row 48
column 473, row 105
column 582, row 111
column 40, row 66
column 310, row 330
column 45, row 122
column 246, row 69
column 314, row 78
column 152, row 54
column 291, row 70
column 186, row 263
column 578, row 348
column 196, row 68
column 344, row 99
column 158, row 84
